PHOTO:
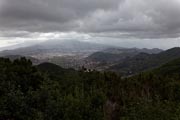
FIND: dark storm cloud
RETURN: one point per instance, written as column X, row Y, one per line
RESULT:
column 139, row 18
column 41, row 14
column 111, row 18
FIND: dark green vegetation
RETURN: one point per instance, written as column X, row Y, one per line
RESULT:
column 170, row 68
column 49, row 92
column 14, row 57
column 144, row 61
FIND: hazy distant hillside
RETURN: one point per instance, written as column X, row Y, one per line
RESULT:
column 56, row 48
column 132, row 50
column 144, row 61
column 117, row 54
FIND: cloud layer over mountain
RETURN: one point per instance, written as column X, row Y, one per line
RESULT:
column 123, row 19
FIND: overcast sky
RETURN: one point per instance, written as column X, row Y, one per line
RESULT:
column 126, row 23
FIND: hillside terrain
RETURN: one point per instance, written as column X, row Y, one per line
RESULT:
column 50, row 48
column 170, row 68
column 116, row 54
column 75, row 54
column 144, row 61
column 47, row 91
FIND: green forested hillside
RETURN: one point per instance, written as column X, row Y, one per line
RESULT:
column 170, row 68
column 31, row 93
column 144, row 61
column 49, row 92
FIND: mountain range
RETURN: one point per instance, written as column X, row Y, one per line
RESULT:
column 144, row 61
column 56, row 48
column 75, row 54
column 116, row 54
